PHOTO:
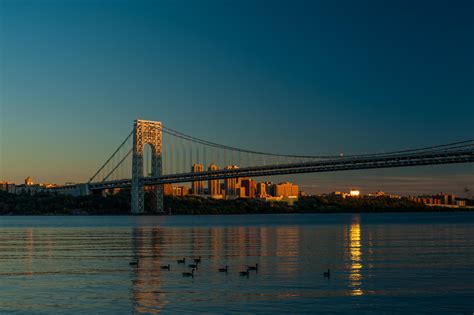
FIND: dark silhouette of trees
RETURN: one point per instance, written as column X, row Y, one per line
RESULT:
column 119, row 204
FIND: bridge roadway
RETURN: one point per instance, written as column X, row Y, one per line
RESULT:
column 339, row 164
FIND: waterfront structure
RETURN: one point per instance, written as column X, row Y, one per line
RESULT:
column 446, row 199
column 29, row 187
column 261, row 190
column 214, row 185
column 167, row 190
column 197, row 186
column 250, row 187
column 269, row 188
column 146, row 132
column 286, row 189
column 354, row 193
column 231, row 184
column 9, row 187
column 380, row 193
column 461, row 203
column 149, row 132
column 441, row 200
column 241, row 192
column 180, row 191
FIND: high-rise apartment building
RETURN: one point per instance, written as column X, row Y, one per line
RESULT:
column 231, row 184
column 250, row 187
column 198, row 186
column 269, row 188
column 261, row 190
column 214, row 185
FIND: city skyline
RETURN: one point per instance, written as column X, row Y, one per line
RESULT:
column 78, row 74
column 224, row 184
column 248, row 188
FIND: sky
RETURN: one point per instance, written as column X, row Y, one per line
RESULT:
column 301, row 77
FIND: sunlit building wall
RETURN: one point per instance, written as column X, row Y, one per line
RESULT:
column 198, row 186
column 231, row 184
column 28, row 181
column 261, row 190
column 167, row 189
column 241, row 192
column 354, row 193
column 250, row 187
column 286, row 190
column 180, row 191
column 214, row 185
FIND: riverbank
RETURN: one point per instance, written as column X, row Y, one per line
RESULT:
column 119, row 204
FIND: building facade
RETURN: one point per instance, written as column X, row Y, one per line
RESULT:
column 231, row 184
column 197, row 186
column 286, row 190
column 214, row 185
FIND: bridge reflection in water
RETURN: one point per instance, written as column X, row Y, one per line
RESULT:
column 146, row 289
column 276, row 250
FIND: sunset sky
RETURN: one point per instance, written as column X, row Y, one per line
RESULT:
column 302, row 77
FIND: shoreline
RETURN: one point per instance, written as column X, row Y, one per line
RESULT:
column 119, row 204
column 431, row 210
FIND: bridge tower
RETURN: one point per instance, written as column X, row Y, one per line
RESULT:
column 146, row 132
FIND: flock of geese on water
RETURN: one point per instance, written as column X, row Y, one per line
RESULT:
column 197, row 261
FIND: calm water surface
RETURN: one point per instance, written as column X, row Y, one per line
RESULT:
column 380, row 263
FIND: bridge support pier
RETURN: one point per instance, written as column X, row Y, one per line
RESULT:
column 146, row 132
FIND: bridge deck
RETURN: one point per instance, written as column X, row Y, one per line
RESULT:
column 340, row 164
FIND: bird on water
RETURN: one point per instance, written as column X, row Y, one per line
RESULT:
column 327, row 274
column 195, row 266
column 181, row 261
column 166, row 267
column 253, row 267
column 134, row 263
column 197, row 260
column 189, row 274
column 244, row 273
column 224, row 269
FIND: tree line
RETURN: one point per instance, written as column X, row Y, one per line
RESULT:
column 119, row 204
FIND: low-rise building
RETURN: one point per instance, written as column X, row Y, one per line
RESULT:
column 180, row 191
column 354, row 193
column 9, row 187
column 441, row 200
column 286, row 189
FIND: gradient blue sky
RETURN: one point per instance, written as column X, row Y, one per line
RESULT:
column 305, row 77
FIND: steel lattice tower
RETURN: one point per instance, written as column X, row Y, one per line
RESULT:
column 146, row 132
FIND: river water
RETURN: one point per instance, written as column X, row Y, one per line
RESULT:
column 380, row 263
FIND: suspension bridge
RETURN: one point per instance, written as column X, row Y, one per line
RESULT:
column 153, row 155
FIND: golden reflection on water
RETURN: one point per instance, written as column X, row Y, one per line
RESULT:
column 228, row 245
column 147, row 294
column 355, row 275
